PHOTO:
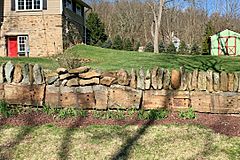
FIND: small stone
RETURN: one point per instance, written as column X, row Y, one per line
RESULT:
column 66, row 76
column 79, row 70
column 72, row 82
column 61, row 70
column 154, row 78
column 224, row 81
column 194, row 80
column 148, row 80
column 25, row 72
column 108, row 81
column 160, row 78
column 140, row 79
column 166, row 79
column 216, row 81
column 123, row 77
column 9, row 67
column 133, row 81
column 90, row 74
column 38, row 74
column 175, row 79
column 230, row 82
column 17, row 74
column 210, row 81
column 84, row 82
column 202, row 81
column 2, row 76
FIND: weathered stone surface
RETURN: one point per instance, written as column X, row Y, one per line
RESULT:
column 124, row 97
column 61, row 70
column 133, row 80
column 52, row 96
column 24, row 94
column 66, row 76
column 216, row 81
column 189, row 81
column 140, row 79
column 92, row 81
column 2, row 76
column 154, row 78
column 224, row 81
column 108, row 81
column 122, row 77
column 180, row 100
column 155, row 99
column 90, row 74
column 38, row 74
column 51, row 78
column 101, row 96
column 176, row 79
column 79, row 70
column 57, row 83
column 236, row 81
column 148, row 80
column 72, row 82
column 230, row 82
column 17, row 74
column 166, row 79
column 194, row 84
column 9, row 67
column 25, row 72
column 160, row 78
column 202, row 81
column 2, row 92
column 226, row 102
column 31, row 77
column 184, row 83
column 64, row 82
column 109, row 74
column 210, row 80
column 201, row 101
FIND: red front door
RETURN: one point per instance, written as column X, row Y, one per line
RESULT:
column 12, row 47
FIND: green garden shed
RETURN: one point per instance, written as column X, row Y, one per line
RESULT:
column 226, row 42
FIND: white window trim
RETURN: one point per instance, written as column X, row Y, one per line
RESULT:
column 26, row 44
column 16, row 6
column 68, row 5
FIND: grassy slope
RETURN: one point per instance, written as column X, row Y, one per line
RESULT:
column 103, row 142
column 107, row 59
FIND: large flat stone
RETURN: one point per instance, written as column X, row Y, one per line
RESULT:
column 24, row 94
column 124, row 97
column 8, row 70
column 216, row 81
column 202, row 81
column 90, row 74
column 224, row 81
column 180, row 100
column 101, row 96
column 17, row 74
column 92, row 81
column 201, row 101
column 122, row 77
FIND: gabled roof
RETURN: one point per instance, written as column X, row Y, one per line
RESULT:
column 83, row 4
column 227, row 31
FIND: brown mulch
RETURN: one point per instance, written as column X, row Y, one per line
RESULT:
column 219, row 123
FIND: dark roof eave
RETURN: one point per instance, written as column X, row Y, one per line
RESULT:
column 84, row 4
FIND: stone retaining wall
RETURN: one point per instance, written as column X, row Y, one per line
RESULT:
column 86, row 88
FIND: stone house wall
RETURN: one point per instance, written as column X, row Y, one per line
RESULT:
column 85, row 88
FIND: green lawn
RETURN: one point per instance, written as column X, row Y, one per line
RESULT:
column 108, row 59
column 119, row 142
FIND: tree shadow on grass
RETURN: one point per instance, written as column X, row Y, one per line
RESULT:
column 7, row 149
column 64, row 149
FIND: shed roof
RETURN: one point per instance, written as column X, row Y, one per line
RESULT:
column 226, row 32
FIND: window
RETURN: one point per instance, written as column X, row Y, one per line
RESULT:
column 23, row 5
column 69, row 4
column 22, row 45
column 78, row 10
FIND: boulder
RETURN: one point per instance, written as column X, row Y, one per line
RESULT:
column 72, row 82
column 224, row 81
column 90, row 74
column 202, row 81
column 140, row 79
column 2, row 76
column 166, row 79
column 176, row 79
column 210, row 80
column 194, row 84
column 79, row 70
column 108, row 81
column 122, row 77
column 230, row 82
column 9, row 67
column 92, row 81
column 133, row 80
column 154, row 78
column 17, row 74
column 25, row 71
column 124, row 97
column 160, row 78
column 216, row 81
column 38, row 74
column 61, row 70
column 101, row 96
column 148, row 80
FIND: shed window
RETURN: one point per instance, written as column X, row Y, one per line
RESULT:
column 22, row 45
column 79, row 9
column 69, row 4
column 24, row 5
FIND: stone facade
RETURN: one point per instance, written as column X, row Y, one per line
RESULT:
column 27, row 85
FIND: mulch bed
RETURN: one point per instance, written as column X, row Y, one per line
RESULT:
column 219, row 123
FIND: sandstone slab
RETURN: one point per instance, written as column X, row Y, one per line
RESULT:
column 90, row 74
column 194, row 84
column 166, row 79
column 216, row 81
column 17, row 74
column 160, row 78
column 148, row 80
column 92, row 81
column 122, row 77
column 101, row 96
column 2, row 76
column 79, row 70
column 180, row 100
column 224, row 81
column 133, row 80
column 2, row 92
column 201, row 101
column 230, row 82
column 8, row 70
column 210, row 81
column 140, row 79
column 108, row 81
column 61, row 71
column 154, row 78
column 176, row 79
column 72, row 82
column 184, row 83
column 25, row 72
column 202, row 81
column 66, row 76
column 38, row 74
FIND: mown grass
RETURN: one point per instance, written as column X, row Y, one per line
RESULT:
column 116, row 142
